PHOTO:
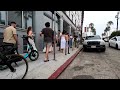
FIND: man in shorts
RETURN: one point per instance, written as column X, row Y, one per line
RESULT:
column 59, row 36
column 48, row 38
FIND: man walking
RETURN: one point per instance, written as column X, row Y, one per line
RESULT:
column 48, row 38
column 59, row 36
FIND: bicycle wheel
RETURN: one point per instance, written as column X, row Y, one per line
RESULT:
column 20, row 65
column 34, row 55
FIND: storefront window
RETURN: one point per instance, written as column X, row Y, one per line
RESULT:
column 2, row 17
column 27, row 19
column 15, row 16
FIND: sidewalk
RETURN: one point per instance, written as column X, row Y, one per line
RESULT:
column 49, row 70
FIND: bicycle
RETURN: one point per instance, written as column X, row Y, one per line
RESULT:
column 17, row 65
column 31, row 53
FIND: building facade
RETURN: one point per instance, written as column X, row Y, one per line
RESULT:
column 62, row 20
column 87, row 31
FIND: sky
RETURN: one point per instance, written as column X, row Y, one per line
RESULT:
column 100, row 19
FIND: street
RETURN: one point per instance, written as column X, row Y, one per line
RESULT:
column 94, row 65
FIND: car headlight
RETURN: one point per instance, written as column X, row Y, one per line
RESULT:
column 102, row 43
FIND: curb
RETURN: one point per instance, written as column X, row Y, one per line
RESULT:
column 64, row 66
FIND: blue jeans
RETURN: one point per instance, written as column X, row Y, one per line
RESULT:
column 70, row 42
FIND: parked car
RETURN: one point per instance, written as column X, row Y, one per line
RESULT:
column 115, row 42
column 94, row 42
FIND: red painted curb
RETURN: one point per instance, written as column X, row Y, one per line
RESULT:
column 64, row 66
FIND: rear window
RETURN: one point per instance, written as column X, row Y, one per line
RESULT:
column 92, row 37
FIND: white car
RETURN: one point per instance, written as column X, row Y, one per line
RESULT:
column 94, row 42
column 115, row 42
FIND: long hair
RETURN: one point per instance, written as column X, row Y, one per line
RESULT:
column 29, row 28
column 64, row 32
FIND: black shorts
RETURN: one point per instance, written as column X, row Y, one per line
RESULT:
column 9, row 48
column 58, row 44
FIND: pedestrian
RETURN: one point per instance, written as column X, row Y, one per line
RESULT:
column 73, row 43
column 30, row 37
column 75, row 40
column 58, row 38
column 68, row 42
column 63, row 41
column 71, row 37
column 48, row 39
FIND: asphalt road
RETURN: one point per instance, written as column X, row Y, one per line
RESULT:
column 94, row 65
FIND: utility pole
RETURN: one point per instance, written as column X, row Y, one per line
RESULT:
column 117, row 16
column 117, row 23
column 82, row 17
column 54, row 33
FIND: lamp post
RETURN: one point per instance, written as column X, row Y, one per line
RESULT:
column 53, row 27
column 54, row 33
column 117, row 16
column 82, row 17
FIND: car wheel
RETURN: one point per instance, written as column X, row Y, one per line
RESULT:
column 116, row 46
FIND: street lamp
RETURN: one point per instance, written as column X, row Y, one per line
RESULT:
column 54, row 33
column 53, row 26
column 117, row 16
column 82, row 18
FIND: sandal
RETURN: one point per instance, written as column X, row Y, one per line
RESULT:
column 46, row 60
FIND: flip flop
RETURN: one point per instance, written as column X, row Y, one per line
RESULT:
column 46, row 60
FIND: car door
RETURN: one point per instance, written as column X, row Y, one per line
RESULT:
column 111, row 42
column 114, row 42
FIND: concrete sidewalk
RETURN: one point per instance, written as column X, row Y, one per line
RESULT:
column 45, row 70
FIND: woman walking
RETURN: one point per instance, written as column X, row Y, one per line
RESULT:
column 63, row 41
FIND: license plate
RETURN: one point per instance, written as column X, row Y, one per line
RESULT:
column 93, row 46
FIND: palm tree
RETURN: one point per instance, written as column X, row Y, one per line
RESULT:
column 103, row 34
column 91, row 25
column 109, row 23
column 105, row 31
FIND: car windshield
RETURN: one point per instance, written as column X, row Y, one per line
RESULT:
column 92, row 37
